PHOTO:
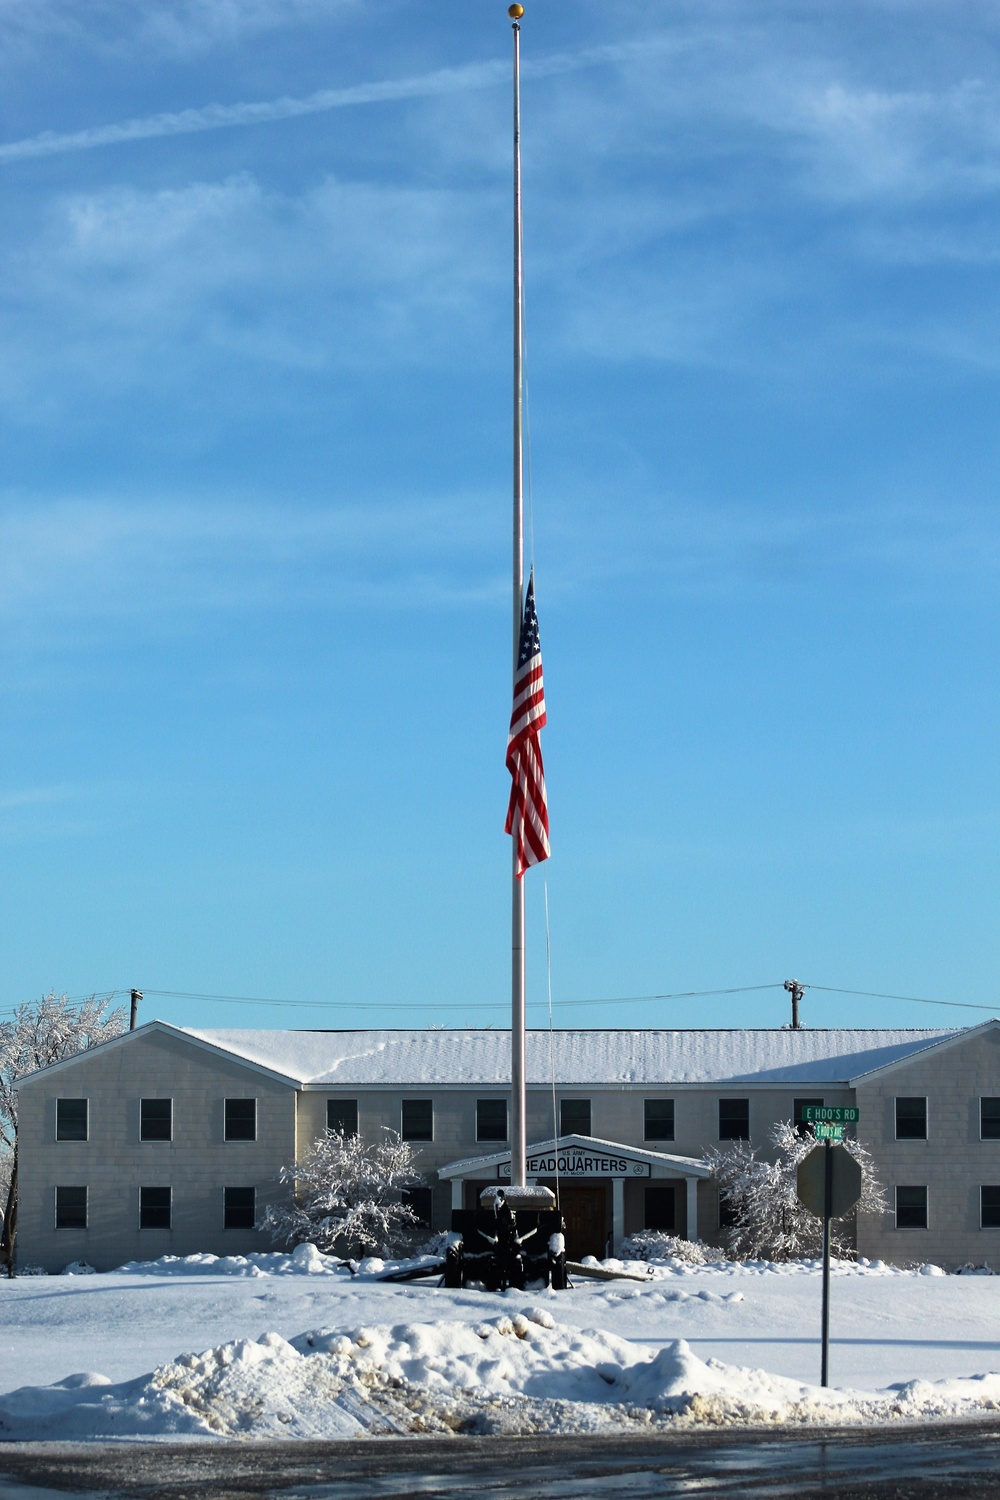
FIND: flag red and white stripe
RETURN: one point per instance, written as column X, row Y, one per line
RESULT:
column 527, row 812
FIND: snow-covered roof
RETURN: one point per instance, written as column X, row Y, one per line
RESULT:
column 342, row 1059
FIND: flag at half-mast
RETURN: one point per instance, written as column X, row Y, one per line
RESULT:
column 527, row 812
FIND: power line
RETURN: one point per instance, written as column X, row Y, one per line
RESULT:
column 214, row 999
column 493, row 1005
column 447, row 1004
column 832, row 989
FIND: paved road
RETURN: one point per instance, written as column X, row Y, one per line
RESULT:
column 917, row 1463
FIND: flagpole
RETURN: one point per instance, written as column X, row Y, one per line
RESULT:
column 518, row 1127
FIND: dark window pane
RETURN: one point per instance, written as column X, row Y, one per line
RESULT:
column 155, row 1119
column 658, row 1123
column 342, row 1117
column 574, row 1117
column 802, row 1127
column 734, row 1119
column 420, row 1200
column 661, row 1208
column 241, row 1119
column 727, row 1214
column 989, row 1119
column 71, row 1119
column 990, row 1207
column 154, row 1208
column 911, row 1208
column 240, row 1207
column 491, row 1119
column 911, row 1119
column 71, row 1208
column 418, row 1120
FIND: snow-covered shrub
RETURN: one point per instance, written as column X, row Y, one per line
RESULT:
column 347, row 1197
column 768, row 1220
column 653, row 1245
column 435, row 1244
column 32, row 1271
column 971, row 1269
column 77, row 1268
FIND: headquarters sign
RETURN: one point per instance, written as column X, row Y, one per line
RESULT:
column 573, row 1163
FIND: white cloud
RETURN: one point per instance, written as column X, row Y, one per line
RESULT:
column 165, row 28
column 665, row 168
column 158, row 564
column 126, row 286
column 233, row 116
column 152, row 560
column 36, row 796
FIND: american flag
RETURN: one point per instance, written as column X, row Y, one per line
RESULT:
column 527, row 812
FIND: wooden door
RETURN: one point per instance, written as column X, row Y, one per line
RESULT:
column 585, row 1212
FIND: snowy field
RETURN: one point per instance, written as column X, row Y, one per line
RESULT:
column 290, row 1346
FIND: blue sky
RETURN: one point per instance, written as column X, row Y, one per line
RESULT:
column 254, row 596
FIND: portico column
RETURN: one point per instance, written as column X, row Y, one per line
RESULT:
column 617, row 1214
column 692, row 1208
column 457, row 1192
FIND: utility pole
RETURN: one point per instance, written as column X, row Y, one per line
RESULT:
column 796, row 991
column 134, row 1011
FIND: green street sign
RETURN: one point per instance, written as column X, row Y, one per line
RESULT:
column 831, row 1114
column 828, row 1132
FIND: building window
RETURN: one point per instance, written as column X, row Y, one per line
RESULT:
column 803, row 1127
column 661, row 1208
column 241, row 1119
column 239, row 1207
column 574, row 1117
column 154, row 1208
column 911, row 1208
column 658, row 1123
column 71, row 1208
column 491, row 1119
column 420, row 1199
column 418, row 1120
column 911, row 1118
column 734, row 1119
column 989, row 1207
column 71, row 1119
column 342, row 1117
column 156, row 1119
column 989, row 1119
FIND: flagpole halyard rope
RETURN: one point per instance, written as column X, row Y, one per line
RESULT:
column 552, row 1039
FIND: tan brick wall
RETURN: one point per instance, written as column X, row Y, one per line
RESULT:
column 113, row 1164
column 952, row 1162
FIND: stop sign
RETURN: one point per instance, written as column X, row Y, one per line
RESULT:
column 846, row 1181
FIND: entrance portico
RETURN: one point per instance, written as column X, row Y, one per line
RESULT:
column 588, row 1168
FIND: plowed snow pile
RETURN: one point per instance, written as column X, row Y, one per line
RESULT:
column 516, row 1374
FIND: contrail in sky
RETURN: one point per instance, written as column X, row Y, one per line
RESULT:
column 222, row 116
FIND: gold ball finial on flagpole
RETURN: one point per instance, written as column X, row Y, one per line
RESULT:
column 516, row 12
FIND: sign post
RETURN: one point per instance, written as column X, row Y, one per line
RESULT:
column 828, row 1183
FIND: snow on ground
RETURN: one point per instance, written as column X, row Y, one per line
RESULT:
column 109, row 1356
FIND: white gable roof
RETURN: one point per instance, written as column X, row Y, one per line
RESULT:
column 348, row 1059
column 686, row 1166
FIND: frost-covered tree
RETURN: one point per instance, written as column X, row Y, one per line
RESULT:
column 6, row 1167
column 39, row 1033
column 347, row 1196
column 768, row 1220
